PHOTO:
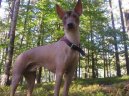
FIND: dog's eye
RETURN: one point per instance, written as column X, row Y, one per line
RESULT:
column 65, row 17
column 74, row 16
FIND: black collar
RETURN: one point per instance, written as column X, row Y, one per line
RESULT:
column 73, row 46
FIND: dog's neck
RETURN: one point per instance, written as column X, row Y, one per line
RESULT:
column 74, row 37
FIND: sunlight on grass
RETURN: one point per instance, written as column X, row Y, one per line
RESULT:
column 4, row 91
column 83, row 90
column 80, row 87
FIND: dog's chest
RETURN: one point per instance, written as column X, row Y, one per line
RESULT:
column 72, row 58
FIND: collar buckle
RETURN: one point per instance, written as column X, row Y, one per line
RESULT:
column 73, row 45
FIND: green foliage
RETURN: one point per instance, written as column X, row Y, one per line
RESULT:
column 88, row 87
column 105, row 81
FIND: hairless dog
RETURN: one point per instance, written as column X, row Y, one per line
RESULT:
column 60, row 57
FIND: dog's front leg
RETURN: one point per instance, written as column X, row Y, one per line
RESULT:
column 68, row 79
column 59, row 76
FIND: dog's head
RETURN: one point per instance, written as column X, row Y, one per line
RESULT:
column 70, row 18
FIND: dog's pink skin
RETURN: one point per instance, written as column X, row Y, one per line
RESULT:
column 57, row 57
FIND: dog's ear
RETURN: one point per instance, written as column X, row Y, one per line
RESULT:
column 60, row 11
column 78, row 7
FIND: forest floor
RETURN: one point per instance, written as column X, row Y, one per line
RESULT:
column 82, row 87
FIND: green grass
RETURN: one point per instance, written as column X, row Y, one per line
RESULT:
column 81, row 87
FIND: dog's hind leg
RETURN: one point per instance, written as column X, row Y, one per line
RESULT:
column 15, row 80
column 30, row 78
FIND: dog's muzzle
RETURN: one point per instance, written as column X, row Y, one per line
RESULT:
column 70, row 25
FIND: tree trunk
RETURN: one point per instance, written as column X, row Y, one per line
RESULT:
column 96, row 69
column 87, row 64
column 79, row 68
column 124, row 37
column 39, row 75
column 103, row 56
column 93, row 65
column 118, row 71
column 93, row 58
column 12, row 38
column 0, row 2
column 104, row 62
column 127, row 21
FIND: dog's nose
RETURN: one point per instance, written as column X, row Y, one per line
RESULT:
column 70, row 25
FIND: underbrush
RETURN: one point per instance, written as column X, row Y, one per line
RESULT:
column 81, row 87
